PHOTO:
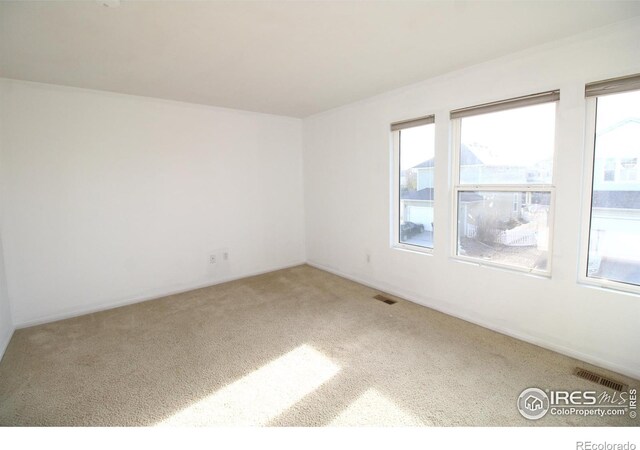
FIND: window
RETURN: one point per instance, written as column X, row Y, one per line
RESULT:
column 613, row 244
column 629, row 169
column 414, row 147
column 610, row 169
column 503, row 174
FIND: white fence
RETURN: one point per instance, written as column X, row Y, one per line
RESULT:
column 518, row 237
column 522, row 236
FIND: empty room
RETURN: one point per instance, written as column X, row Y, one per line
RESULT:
column 332, row 214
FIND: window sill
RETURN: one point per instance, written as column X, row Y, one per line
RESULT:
column 609, row 286
column 413, row 249
column 540, row 274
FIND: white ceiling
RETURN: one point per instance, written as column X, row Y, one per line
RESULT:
column 289, row 58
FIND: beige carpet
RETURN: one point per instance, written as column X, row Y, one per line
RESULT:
column 294, row 347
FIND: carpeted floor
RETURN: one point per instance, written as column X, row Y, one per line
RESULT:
column 296, row 347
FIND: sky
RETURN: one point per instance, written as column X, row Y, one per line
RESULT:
column 417, row 144
column 616, row 107
column 521, row 136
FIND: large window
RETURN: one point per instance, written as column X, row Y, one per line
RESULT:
column 414, row 187
column 503, row 176
column 613, row 256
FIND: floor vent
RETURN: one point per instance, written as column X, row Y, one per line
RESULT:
column 603, row 381
column 384, row 299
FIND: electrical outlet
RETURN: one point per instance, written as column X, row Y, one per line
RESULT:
column 212, row 259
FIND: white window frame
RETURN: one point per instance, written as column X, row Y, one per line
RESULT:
column 456, row 141
column 587, row 195
column 395, row 196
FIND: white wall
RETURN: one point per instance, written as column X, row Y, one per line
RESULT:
column 110, row 199
column 347, row 196
column 6, row 321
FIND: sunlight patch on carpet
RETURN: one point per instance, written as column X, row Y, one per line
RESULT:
column 262, row 395
column 374, row 409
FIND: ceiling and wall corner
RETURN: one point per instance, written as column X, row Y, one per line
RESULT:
column 286, row 58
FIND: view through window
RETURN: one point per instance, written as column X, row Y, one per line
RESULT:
column 505, row 186
column 416, row 190
column 614, row 236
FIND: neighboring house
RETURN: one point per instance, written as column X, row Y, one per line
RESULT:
column 479, row 165
column 416, row 205
column 616, row 167
column 615, row 222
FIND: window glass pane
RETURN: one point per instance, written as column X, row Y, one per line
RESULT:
column 416, row 185
column 515, row 146
column 510, row 228
column 614, row 240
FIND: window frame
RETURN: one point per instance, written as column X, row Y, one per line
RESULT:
column 591, row 108
column 456, row 141
column 395, row 189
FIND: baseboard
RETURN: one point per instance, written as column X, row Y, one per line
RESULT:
column 430, row 303
column 411, row 296
column 81, row 311
column 4, row 342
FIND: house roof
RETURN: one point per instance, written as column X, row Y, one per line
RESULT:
column 467, row 158
column 616, row 199
column 619, row 140
column 427, row 194
column 424, row 164
column 617, row 125
column 422, row 194
column 470, row 197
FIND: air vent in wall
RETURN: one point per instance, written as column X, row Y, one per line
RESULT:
column 603, row 381
column 384, row 299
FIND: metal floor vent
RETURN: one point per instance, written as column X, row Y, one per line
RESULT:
column 603, row 381
column 384, row 299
